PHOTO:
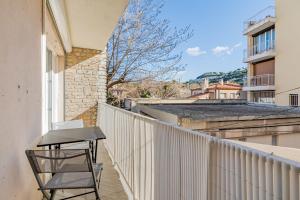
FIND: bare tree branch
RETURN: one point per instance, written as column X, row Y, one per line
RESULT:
column 143, row 46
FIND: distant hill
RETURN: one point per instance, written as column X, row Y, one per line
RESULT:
column 237, row 76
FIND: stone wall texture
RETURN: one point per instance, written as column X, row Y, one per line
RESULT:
column 85, row 84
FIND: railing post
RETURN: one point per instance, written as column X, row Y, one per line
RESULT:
column 249, row 175
column 237, row 166
column 294, row 183
column 277, row 181
column 114, row 136
column 255, row 180
column 262, row 178
column 269, row 179
column 285, row 169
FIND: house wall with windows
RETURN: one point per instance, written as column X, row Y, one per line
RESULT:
column 287, row 68
column 272, row 55
column 20, row 95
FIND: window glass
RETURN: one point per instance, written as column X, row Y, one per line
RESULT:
column 256, row 45
column 273, row 37
column 274, row 140
column 262, row 42
column 268, row 40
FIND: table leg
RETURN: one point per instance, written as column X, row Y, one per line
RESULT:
column 52, row 192
column 96, row 150
column 92, row 150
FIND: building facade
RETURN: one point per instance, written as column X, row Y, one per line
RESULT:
column 260, row 56
column 219, row 90
column 271, row 55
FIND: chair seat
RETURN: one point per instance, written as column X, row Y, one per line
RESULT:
column 74, row 180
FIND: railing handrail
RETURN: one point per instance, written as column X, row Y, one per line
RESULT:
column 260, row 80
column 259, row 49
column 262, row 75
column 260, row 16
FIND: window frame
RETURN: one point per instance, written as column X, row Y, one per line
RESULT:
column 293, row 100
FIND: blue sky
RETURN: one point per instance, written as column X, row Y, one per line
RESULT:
column 218, row 43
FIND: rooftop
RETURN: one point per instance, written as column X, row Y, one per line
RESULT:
column 225, row 86
column 218, row 111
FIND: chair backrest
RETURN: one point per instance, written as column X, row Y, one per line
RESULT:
column 60, row 160
column 68, row 124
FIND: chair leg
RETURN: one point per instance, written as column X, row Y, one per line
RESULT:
column 99, row 179
column 97, row 194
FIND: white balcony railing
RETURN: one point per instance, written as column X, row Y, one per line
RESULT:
column 158, row 161
column 260, row 16
column 260, row 80
column 267, row 47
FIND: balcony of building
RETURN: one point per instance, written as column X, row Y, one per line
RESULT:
column 262, row 97
column 157, row 160
column 262, row 20
column 259, row 82
column 143, row 158
column 260, row 52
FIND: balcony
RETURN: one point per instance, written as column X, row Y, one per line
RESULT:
column 260, row 21
column 258, row 53
column 157, row 160
column 259, row 82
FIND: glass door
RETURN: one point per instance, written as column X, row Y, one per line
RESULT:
column 49, row 88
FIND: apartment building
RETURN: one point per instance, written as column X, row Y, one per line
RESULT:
column 271, row 55
column 260, row 56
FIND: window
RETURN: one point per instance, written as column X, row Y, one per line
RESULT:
column 222, row 96
column 264, row 41
column 294, row 100
column 49, row 88
column 273, row 37
column 268, row 40
column 264, row 97
column 274, row 140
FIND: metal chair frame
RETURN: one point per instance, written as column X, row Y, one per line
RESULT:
column 55, row 160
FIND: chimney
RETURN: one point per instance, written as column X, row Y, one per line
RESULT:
column 205, row 84
column 222, row 82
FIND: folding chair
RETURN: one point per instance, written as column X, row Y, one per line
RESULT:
column 67, row 169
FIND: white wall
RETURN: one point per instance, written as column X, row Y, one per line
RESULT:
column 289, row 140
column 20, row 95
column 266, row 139
column 287, row 68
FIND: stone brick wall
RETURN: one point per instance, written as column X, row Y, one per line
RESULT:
column 85, row 84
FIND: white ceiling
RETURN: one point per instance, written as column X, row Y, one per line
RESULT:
column 91, row 22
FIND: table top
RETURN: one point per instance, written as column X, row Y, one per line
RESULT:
column 64, row 136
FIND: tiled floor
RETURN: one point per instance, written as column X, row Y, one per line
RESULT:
column 110, row 187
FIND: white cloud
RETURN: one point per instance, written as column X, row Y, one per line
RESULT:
column 195, row 51
column 237, row 45
column 220, row 50
column 223, row 50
